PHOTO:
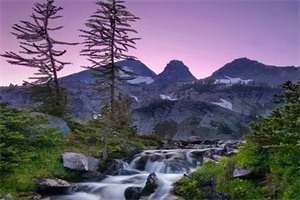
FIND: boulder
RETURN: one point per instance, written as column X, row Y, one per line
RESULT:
column 53, row 122
column 115, row 166
column 52, row 186
column 133, row 193
column 141, row 162
column 241, row 173
column 80, row 162
column 93, row 176
column 151, row 185
column 6, row 197
column 30, row 196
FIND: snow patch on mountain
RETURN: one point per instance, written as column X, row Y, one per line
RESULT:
column 136, row 79
column 166, row 97
column 141, row 79
column 231, row 81
column 135, row 98
column 224, row 103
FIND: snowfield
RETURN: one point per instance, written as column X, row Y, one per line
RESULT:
column 141, row 79
column 137, row 79
column 224, row 103
column 135, row 98
column 231, row 81
column 166, row 97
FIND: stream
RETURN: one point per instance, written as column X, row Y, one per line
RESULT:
column 169, row 165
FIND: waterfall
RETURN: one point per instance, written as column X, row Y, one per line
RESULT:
column 168, row 165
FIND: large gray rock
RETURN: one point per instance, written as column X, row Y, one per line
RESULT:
column 151, row 185
column 52, row 185
column 133, row 193
column 53, row 122
column 241, row 173
column 115, row 167
column 80, row 162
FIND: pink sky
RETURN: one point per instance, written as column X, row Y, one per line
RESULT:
column 204, row 34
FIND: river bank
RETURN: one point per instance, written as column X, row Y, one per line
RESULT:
column 161, row 167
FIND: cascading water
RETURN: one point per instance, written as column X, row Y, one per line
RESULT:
column 168, row 165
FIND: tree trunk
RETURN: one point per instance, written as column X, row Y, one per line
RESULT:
column 113, row 78
column 55, row 77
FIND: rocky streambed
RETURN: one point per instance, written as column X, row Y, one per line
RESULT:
column 150, row 174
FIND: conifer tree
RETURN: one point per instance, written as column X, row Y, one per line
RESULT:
column 38, row 47
column 107, row 39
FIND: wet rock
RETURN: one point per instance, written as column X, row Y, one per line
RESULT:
column 177, row 166
column 241, row 173
column 141, row 162
column 133, row 193
column 156, row 157
column 128, row 172
column 210, row 142
column 52, row 185
column 80, row 162
column 114, row 167
column 151, row 185
column 93, row 176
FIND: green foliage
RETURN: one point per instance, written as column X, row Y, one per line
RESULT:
column 27, row 151
column 292, row 191
column 201, row 184
column 88, row 138
column 273, row 148
column 189, row 189
column 271, row 153
column 213, row 180
column 241, row 189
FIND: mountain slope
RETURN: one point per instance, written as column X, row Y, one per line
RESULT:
column 184, row 118
column 174, row 103
column 247, row 69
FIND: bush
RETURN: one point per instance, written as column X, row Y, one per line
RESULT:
column 241, row 189
column 201, row 184
column 271, row 153
column 48, row 103
column 27, row 151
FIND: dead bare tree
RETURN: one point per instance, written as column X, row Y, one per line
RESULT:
column 38, row 46
column 107, row 40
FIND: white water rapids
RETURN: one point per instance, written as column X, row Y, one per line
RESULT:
column 168, row 165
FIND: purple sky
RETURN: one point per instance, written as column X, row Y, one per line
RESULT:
column 204, row 34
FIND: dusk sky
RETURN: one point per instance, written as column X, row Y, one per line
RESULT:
column 204, row 34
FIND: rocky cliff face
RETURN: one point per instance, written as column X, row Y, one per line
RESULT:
column 176, row 105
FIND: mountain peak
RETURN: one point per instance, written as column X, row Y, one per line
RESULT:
column 248, row 69
column 176, row 65
column 244, row 60
column 175, row 71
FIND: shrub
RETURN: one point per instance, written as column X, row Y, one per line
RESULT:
column 241, row 189
column 27, row 151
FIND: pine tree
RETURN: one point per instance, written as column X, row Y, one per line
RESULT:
column 107, row 40
column 37, row 46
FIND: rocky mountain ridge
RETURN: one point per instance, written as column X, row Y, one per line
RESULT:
column 174, row 104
